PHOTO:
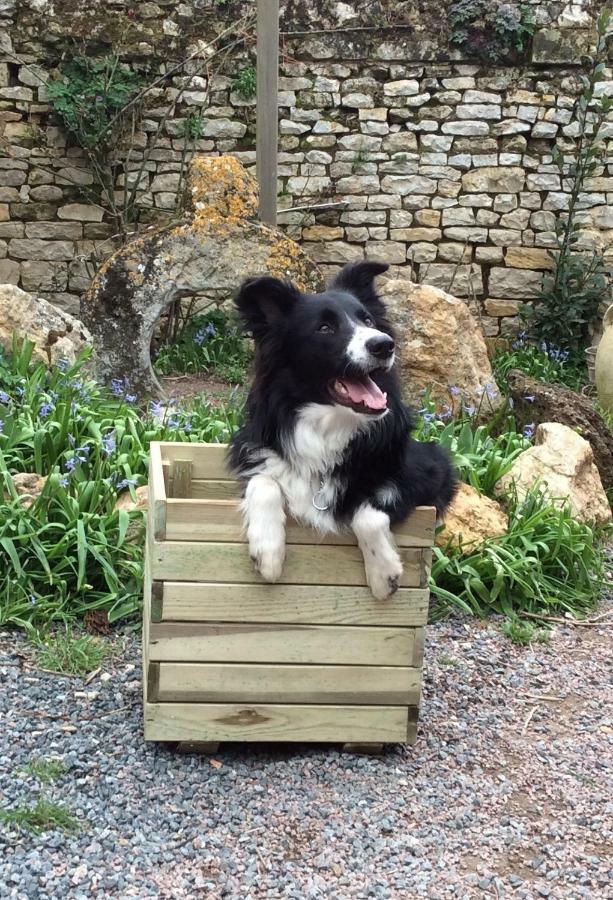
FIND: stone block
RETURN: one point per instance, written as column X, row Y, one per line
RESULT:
column 515, row 284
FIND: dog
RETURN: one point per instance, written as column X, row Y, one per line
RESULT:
column 327, row 438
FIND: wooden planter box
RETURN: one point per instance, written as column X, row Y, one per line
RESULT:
column 314, row 657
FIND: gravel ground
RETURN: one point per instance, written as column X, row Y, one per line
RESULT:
column 504, row 795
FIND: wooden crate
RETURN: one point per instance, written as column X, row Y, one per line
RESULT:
column 228, row 657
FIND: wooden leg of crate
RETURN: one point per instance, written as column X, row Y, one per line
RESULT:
column 197, row 746
column 364, row 749
column 412, row 724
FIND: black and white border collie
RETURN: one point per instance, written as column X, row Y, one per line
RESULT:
column 327, row 439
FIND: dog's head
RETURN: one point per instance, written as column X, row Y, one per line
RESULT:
column 336, row 347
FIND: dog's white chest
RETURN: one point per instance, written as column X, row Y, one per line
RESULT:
column 321, row 434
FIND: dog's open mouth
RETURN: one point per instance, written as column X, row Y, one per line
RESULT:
column 360, row 394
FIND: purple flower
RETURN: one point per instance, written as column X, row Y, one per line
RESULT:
column 64, row 481
column 454, row 391
column 126, row 482
column 428, row 416
column 157, row 410
column 63, row 365
column 1, row 425
column 529, row 430
column 130, row 398
column 199, row 338
column 174, row 422
column 117, row 386
column 210, row 330
column 188, row 427
column 446, row 412
column 4, row 397
column 109, row 443
column 45, row 410
column 71, row 464
column 469, row 410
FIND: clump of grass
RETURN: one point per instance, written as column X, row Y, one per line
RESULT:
column 46, row 770
column 548, row 562
column 44, row 815
column 213, row 344
column 542, row 361
column 70, row 654
column 522, row 632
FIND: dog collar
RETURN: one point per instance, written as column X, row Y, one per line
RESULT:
column 316, row 501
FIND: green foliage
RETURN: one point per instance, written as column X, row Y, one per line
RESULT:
column 546, row 563
column 46, row 770
column 71, row 551
column 482, row 453
column 88, row 96
column 68, row 653
column 490, row 30
column 44, row 815
column 523, row 632
column 245, row 83
column 211, row 343
column 193, row 126
column 544, row 362
column 579, row 284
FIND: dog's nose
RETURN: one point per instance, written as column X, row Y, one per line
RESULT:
column 381, row 347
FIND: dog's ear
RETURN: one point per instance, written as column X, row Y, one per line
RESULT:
column 359, row 279
column 263, row 302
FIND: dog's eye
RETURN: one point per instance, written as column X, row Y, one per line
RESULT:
column 326, row 329
column 369, row 322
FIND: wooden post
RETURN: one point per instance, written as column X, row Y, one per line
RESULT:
column 267, row 107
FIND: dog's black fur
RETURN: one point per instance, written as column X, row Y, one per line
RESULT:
column 294, row 366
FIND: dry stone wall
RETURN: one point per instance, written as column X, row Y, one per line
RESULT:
column 392, row 145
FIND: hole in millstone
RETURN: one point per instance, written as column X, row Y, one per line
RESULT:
column 198, row 347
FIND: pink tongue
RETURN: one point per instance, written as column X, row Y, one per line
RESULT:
column 367, row 393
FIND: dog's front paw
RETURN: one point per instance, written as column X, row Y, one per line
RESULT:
column 268, row 560
column 383, row 576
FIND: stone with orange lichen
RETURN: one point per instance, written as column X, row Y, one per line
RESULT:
column 218, row 244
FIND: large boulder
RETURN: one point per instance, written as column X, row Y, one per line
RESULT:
column 535, row 402
column 604, row 362
column 471, row 519
column 217, row 246
column 562, row 462
column 441, row 347
column 56, row 334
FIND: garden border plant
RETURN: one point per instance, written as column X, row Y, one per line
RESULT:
column 568, row 306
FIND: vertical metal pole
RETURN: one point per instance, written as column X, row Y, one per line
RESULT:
column 267, row 107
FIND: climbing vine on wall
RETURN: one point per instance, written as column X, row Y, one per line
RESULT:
column 490, row 30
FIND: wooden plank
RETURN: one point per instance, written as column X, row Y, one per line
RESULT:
column 237, row 683
column 156, row 514
column 267, row 114
column 208, row 460
column 274, row 722
column 215, row 489
column 184, row 601
column 307, row 644
column 221, row 520
column 180, row 479
column 304, row 564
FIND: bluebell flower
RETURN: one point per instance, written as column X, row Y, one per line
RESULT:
column 1, row 425
column 130, row 398
column 157, row 410
column 429, row 416
column 210, row 330
column 199, row 337
column 71, row 440
column 188, row 427
column 117, row 386
column 64, row 481
column 71, row 464
column 174, row 422
column 529, row 430
column 109, row 443
column 126, row 482
column 45, row 410
column 63, row 365
column 446, row 412
column 4, row 397
column 469, row 410
column 32, row 599
column 454, row 391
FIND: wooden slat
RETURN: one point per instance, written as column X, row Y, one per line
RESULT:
column 208, row 460
column 221, row 520
column 180, row 479
column 237, row 683
column 317, row 644
column 304, row 564
column 183, row 601
column 274, row 722
column 215, row 489
column 156, row 514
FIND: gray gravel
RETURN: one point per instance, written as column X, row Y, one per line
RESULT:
column 504, row 795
